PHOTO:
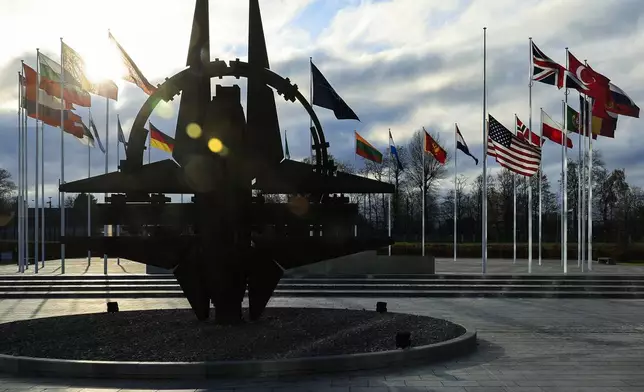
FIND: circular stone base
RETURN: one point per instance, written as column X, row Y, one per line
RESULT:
column 285, row 340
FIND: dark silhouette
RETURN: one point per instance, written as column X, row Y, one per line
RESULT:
column 228, row 238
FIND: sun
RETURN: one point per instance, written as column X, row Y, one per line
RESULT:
column 102, row 63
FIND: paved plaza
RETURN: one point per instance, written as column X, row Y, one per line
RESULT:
column 443, row 265
column 525, row 345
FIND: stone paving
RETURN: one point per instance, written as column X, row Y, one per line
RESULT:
column 443, row 265
column 526, row 345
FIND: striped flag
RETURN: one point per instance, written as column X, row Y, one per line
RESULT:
column 98, row 138
column 510, row 151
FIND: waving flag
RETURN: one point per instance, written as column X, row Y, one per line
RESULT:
column 547, row 71
column 434, row 148
column 121, row 135
column 394, row 152
column 98, row 138
column 366, row 150
column 510, row 151
column 325, row 96
column 461, row 145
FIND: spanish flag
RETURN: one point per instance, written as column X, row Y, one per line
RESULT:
column 160, row 140
column 432, row 147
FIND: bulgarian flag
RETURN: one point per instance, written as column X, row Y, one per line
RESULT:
column 50, row 80
column 366, row 150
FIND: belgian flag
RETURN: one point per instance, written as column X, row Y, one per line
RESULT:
column 160, row 140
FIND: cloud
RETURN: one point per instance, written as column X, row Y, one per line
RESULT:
column 400, row 64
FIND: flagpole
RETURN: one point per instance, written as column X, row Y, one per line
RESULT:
column 540, row 178
column 107, row 149
column 564, row 167
column 389, row 198
column 118, row 162
column 62, row 158
column 311, row 102
column 89, row 197
column 514, row 215
column 583, row 169
column 42, row 191
column 150, row 143
column 455, row 190
column 422, row 196
column 20, row 174
column 579, row 192
column 530, row 211
column 25, row 181
column 37, row 191
column 590, row 186
column 485, row 136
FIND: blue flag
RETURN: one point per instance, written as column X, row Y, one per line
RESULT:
column 461, row 145
column 325, row 96
column 98, row 138
column 394, row 152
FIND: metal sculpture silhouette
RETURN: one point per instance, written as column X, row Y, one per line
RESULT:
column 229, row 238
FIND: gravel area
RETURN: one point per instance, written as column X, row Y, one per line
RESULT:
column 176, row 335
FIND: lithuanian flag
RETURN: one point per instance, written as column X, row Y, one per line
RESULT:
column 160, row 140
column 366, row 150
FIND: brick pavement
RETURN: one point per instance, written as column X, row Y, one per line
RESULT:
column 526, row 345
column 443, row 265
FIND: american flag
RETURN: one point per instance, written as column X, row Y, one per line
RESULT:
column 510, row 151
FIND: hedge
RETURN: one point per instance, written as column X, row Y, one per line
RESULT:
column 623, row 253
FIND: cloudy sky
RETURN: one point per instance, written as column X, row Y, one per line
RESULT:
column 400, row 64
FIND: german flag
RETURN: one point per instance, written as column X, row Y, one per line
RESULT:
column 160, row 140
column 366, row 150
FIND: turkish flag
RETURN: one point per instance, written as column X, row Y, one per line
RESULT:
column 595, row 85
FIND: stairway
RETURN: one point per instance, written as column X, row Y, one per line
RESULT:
column 381, row 286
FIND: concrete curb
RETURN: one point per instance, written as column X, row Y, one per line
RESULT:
column 63, row 368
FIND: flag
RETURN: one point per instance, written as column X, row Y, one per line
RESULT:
column 74, row 65
column 620, row 103
column 325, row 96
column 87, row 138
column 121, row 135
column 432, row 147
column 160, row 140
column 366, row 150
column 31, row 92
column 524, row 133
column 553, row 131
column 394, row 151
column 98, row 138
column 461, row 145
column 603, row 126
column 134, row 74
column 593, row 84
column 511, row 152
column 287, row 153
column 50, row 81
column 547, row 71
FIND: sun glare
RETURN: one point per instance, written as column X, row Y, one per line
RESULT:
column 103, row 63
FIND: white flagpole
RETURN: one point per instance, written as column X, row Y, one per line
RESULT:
column 37, row 191
column 590, row 187
column 514, row 215
column 485, row 136
column 42, row 191
column 582, row 183
column 580, row 169
column 564, row 157
column 89, row 196
column 20, row 174
column 529, row 179
column 422, row 195
column 62, row 158
column 150, row 143
column 107, row 149
column 25, row 182
column 455, row 189
column 391, row 163
column 540, row 178
column 118, row 162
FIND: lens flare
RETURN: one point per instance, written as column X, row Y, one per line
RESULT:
column 215, row 145
column 193, row 130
